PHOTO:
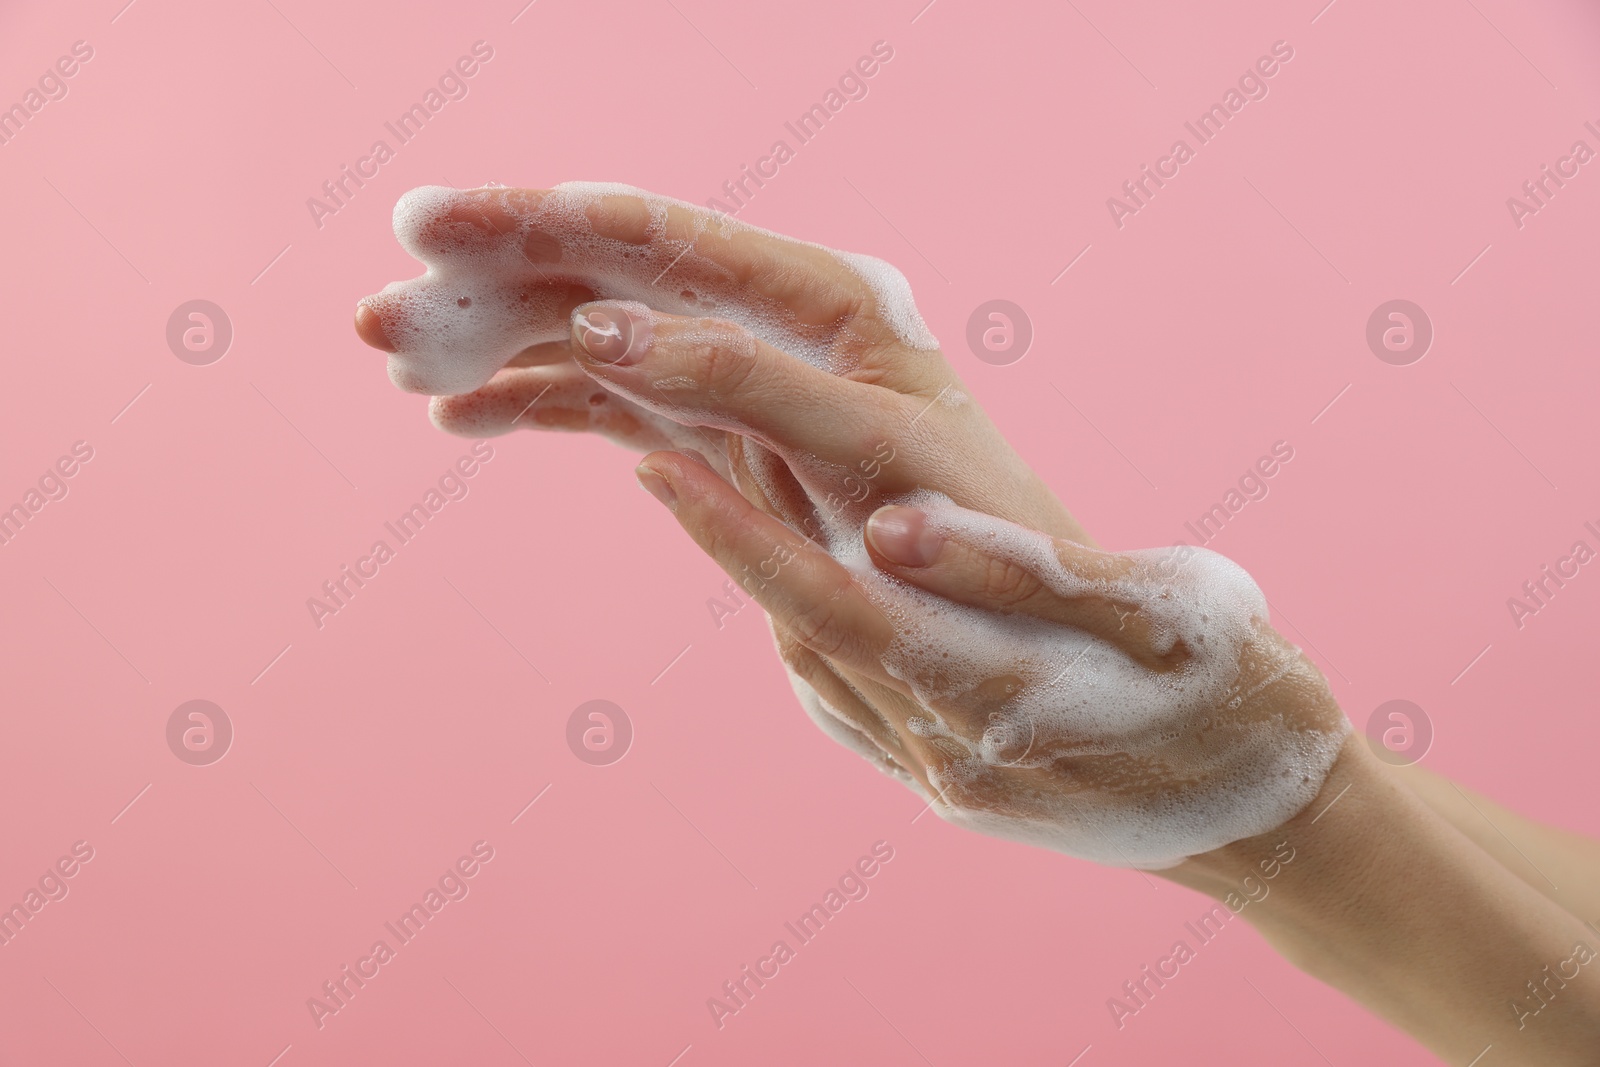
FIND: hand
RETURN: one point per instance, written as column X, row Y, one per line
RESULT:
column 843, row 370
column 1118, row 748
column 1134, row 709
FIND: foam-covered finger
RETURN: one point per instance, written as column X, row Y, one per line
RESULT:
column 853, row 302
column 713, row 253
column 623, row 243
column 805, row 590
column 559, row 397
column 842, row 711
column 576, row 228
column 995, row 565
column 435, row 221
column 635, row 241
column 712, row 372
column 449, row 330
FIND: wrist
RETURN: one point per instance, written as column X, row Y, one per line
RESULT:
column 1370, row 891
column 1310, row 867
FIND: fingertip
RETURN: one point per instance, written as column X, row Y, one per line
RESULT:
column 902, row 536
column 464, row 415
column 652, row 479
column 693, row 481
column 369, row 327
column 680, row 465
column 442, row 414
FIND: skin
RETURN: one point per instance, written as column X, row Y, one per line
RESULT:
column 1431, row 906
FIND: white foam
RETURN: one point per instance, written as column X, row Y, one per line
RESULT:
column 483, row 299
column 1176, row 762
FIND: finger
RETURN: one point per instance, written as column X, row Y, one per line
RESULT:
column 998, row 566
column 433, row 225
column 851, row 313
column 561, row 398
column 546, row 310
column 450, row 330
column 849, row 442
column 815, row 285
column 712, row 372
column 882, row 713
column 546, row 397
column 801, row 587
column 510, row 245
column 768, row 483
column 939, row 760
column 841, row 710
column 576, row 228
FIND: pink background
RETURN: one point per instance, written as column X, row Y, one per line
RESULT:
column 422, row 718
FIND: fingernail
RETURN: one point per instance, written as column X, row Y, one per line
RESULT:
column 615, row 339
column 369, row 327
column 698, row 458
column 656, row 486
column 902, row 535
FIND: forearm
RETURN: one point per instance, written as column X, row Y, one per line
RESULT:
column 1563, row 866
column 1388, row 902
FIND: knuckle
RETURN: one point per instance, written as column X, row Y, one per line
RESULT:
column 802, row 659
column 1007, row 583
column 816, row 625
column 724, row 361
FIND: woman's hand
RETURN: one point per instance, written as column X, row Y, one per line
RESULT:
column 1134, row 709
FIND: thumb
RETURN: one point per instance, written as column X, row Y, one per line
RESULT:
column 989, row 563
